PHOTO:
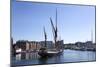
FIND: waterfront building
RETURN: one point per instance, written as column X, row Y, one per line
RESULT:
column 60, row 44
column 88, row 45
column 22, row 44
column 49, row 44
column 12, row 47
column 28, row 45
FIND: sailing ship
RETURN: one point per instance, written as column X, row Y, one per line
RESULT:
column 58, row 47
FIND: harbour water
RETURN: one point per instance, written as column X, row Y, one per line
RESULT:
column 66, row 57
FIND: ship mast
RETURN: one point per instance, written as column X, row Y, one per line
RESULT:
column 54, row 30
column 92, row 35
column 45, row 35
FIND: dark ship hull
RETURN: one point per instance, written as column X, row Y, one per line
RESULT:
column 49, row 53
column 46, row 54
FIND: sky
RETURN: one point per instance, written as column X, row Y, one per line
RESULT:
column 75, row 22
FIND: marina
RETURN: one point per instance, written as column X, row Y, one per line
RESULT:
column 50, row 33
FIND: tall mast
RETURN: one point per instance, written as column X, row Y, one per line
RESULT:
column 56, row 29
column 92, row 35
column 56, row 17
column 53, row 30
column 45, row 35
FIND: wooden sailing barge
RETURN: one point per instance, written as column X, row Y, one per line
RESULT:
column 58, row 47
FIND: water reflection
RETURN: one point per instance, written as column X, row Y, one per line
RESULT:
column 66, row 56
column 27, row 56
column 43, row 60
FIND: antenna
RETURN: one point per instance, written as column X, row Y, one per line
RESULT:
column 92, row 35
